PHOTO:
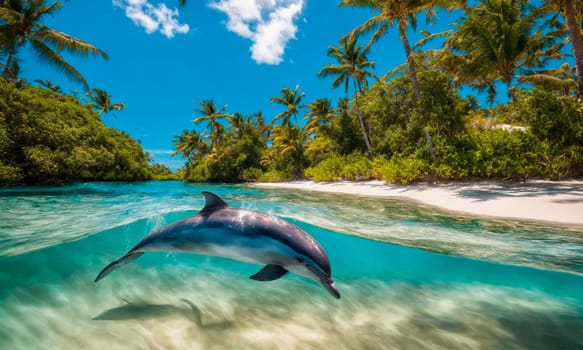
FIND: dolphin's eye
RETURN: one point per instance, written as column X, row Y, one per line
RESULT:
column 299, row 259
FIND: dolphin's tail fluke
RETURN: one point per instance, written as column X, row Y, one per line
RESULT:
column 126, row 259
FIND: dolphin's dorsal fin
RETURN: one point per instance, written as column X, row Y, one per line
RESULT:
column 213, row 202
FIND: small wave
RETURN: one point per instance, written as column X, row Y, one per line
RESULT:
column 33, row 218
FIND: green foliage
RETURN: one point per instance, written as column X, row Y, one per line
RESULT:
column 251, row 174
column 504, row 154
column 234, row 157
column 276, row 175
column 397, row 125
column 162, row 172
column 351, row 167
column 320, row 148
column 48, row 138
column 344, row 130
column 550, row 145
column 402, row 170
column 328, row 170
column 557, row 120
column 9, row 175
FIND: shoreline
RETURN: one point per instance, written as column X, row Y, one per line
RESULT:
column 537, row 200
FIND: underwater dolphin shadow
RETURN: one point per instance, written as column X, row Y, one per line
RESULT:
column 239, row 234
column 142, row 310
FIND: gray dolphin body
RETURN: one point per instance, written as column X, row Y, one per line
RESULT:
column 239, row 234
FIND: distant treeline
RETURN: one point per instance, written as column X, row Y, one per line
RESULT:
column 538, row 135
column 51, row 138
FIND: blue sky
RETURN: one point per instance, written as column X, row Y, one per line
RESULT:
column 240, row 53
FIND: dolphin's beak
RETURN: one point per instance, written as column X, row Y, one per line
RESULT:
column 331, row 288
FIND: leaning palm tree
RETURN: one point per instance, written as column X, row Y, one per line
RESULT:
column 291, row 99
column 403, row 14
column 100, row 102
column 572, row 11
column 20, row 23
column 211, row 115
column 351, row 67
column 500, row 40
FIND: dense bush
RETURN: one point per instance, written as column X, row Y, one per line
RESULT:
column 351, row 167
column 398, row 120
column 235, row 157
column 50, row 138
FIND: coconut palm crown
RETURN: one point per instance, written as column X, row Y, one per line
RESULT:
column 20, row 24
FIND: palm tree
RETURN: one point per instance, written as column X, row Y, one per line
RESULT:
column 352, row 66
column 288, row 143
column 291, row 99
column 403, row 13
column 47, row 84
column 239, row 124
column 189, row 144
column 20, row 23
column 320, row 112
column 259, row 122
column 211, row 115
column 101, row 102
column 499, row 40
column 562, row 81
column 572, row 11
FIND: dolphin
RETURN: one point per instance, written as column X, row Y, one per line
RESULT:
column 239, row 234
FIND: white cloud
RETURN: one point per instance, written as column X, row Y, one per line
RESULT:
column 269, row 24
column 153, row 17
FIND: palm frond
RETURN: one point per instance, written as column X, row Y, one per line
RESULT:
column 50, row 56
column 66, row 42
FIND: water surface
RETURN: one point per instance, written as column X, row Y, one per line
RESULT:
column 411, row 277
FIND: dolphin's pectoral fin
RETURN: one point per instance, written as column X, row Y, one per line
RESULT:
column 269, row 273
column 126, row 259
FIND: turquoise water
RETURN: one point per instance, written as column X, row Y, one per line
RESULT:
column 411, row 277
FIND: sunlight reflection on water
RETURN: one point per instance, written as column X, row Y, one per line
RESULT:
column 34, row 218
column 237, row 313
column 54, row 241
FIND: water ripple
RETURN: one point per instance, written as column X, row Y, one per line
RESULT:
column 35, row 218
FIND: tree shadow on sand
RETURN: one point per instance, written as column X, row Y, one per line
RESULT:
column 515, row 189
column 141, row 310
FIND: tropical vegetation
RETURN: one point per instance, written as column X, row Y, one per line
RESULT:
column 47, row 136
column 51, row 138
column 20, row 24
column 416, row 122
column 413, row 123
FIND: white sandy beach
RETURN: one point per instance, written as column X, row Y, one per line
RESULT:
column 560, row 202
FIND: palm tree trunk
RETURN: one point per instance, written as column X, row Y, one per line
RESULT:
column 360, row 121
column 8, row 66
column 410, row 61
column 576, row 42
column 511, row 94
column 413, row 75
